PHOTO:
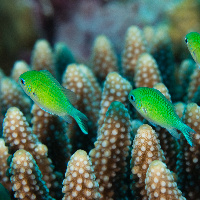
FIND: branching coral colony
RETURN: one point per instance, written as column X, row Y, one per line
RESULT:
column 122, row 157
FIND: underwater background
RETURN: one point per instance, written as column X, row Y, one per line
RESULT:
column 100, row 50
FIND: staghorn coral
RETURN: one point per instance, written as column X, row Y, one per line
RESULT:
column 193, row 84
column 19, row 68
column 116, row 88
column 147, row 73
column 17, row 134
column 188, row 158
column 12, row 95
column 160, row 183
column 103, row 58
column 4, row 180
column 183, row 74
column 135, row 45
column 168, row 143
column 82, row 82
column 42, row 57
column 146, row 148
column 51, row 131
column 63, row 57
column 161, row 50
column 111, row 151
column 163, row 89
column 27, row 178
column 79, row 182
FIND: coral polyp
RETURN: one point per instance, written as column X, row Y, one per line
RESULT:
column 101, row 57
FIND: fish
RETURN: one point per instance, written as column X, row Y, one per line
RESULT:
column 192, row 40
column 158, row 110
column 52, row 97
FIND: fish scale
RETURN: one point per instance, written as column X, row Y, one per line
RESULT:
column 157, row 109
column 192, row 40
column 53, row 98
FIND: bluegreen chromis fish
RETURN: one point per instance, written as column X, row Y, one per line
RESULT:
column 193, row 42
column 47, row 93
column 156, row 108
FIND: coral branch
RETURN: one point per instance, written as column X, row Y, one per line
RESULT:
column 79, row 182
column 27, row 178
column 160, row 183
column 110, row 152
column 146, row 148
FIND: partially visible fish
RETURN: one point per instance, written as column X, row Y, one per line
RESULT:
column 157, row 109
column 46, row 92
column 192, row 40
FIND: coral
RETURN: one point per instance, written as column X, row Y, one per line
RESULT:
column 63, row 57
column 17, row 134
column 51, row 131
column 103, row 58
column 82, row 82
column 146, row 148
column 4, row 180
column 19, row 68
column 111, row 151
column 182, row 76
column 168, row 143
column 27, row 178
column 4, row 193
column 161, row 50
column 50, row 140
column 79, row 182
column 193, row 84
column 12, row 95
column 188, row 158
column 91, row 18
column 147, row 73
column 42, row 57
column 163, row 89
column 135, row 45
column 160, row 183
column 116, row 88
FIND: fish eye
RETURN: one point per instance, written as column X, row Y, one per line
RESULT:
column 22, row 81
column 186, row 40
column 132, row 98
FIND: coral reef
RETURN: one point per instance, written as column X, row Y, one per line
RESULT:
column 121, row 157
column 79, row 182
column 146, row 148
column 160, row 183
column 111, row 151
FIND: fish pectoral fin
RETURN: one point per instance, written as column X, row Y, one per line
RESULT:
column 174, row 133
column 67, row 118
column 71, row 96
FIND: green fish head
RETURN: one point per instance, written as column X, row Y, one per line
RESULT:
column 27, row 81
column 192, row 40
column 135, row 98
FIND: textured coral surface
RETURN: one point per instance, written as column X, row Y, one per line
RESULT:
column 123, row 156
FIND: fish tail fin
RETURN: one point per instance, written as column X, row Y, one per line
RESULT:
column 188, row 133
column 81, row 120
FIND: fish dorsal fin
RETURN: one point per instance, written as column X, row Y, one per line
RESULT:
column 47, row 73
column 71, row 96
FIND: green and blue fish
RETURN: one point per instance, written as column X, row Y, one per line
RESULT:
column 47, row 93
column 192, row 40
column 157, row 109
